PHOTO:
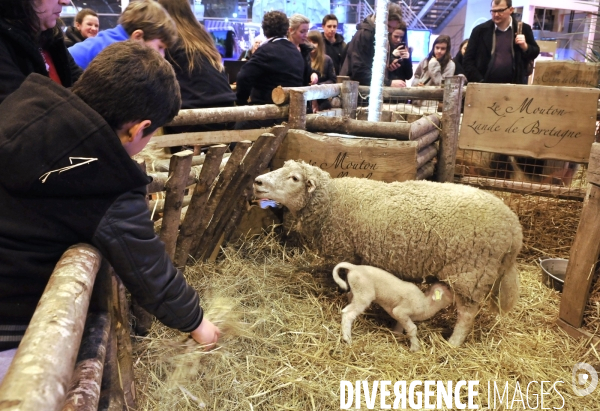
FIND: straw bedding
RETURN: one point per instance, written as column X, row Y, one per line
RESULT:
column 281, row 347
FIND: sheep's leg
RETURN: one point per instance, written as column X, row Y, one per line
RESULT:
column 349, row 314
column 464, row 322
column 405, row 322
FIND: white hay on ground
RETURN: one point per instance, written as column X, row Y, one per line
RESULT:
column 281, row 346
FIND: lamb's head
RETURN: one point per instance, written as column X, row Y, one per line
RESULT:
column 440, row 295
column 292, row 185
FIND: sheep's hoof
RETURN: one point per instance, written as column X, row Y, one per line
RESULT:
column 415, row 347
column 455, row 341
column 347, row 339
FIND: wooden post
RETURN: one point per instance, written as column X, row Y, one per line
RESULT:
column 453, row 92
column 349, row 98
column 179, row 170
column 255, row 161
column 297, row 119
column 84, row 393
column 124, row 348
column 40, row 373
column 584, row 251
column 281, row 95
column 191, row 222
column 212, row 202
column 111, row 392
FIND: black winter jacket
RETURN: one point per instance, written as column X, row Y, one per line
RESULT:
column 205, row 86
column 103, row 203
column 72, row 36
column 477, row 60
column 336, row 51
column 275, row 63
column 358, row 63
column 20, row 56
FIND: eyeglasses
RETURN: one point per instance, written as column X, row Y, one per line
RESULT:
column 499, row 11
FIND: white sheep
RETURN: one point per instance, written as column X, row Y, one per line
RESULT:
column 415, row 229
column 404, row 301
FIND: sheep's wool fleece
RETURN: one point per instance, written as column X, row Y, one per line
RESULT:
column 413, row 229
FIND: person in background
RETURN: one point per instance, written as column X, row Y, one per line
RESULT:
column 51, row 200
column 436, row 66
column 197, row 64
column 497, row 52
column 322, row 64
column 86, row 26
column 145, row 21
column 335, row 46
column 399, row 67
column 276, row 62
column 358, row 63
column 297, row 34
column 458, row 59
column 31, row 42
column 258, row 40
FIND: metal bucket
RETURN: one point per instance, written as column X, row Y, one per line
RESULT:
column 553, row 272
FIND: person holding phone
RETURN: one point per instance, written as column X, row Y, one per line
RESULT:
column 399, row 68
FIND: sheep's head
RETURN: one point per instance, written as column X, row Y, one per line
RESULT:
column 292, row 185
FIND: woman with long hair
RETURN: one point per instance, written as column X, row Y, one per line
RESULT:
column 198, row 66
column 31, row 42
column 297, row 34
column 458, row 59
column 86, row 26
column 437, row 66
column 322, row 64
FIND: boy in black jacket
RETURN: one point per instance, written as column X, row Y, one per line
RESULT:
column 72, row 180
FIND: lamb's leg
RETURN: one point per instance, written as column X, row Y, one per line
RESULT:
column 464, row 322
column 405, row 322
column 349, row 314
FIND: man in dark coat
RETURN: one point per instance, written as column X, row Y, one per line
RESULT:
column 360, row 53
column 72, row 181
column 496, row 52
column 335, row 46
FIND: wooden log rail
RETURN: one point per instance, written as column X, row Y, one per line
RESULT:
column 416, row 93
column 346, row 125
column 281, row 95
column 39, row 376
column 228, row 114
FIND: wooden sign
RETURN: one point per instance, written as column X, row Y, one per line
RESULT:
column 535, row 121
column 566, row 74
column 377, row 159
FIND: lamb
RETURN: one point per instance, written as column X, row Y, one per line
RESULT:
column 404, row 301
column 460, row 235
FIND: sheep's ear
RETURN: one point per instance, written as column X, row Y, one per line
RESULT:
column 310, row 185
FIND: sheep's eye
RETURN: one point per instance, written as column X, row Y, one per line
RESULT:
column 295, row 179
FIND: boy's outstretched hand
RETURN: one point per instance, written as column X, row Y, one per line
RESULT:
column 206, row 334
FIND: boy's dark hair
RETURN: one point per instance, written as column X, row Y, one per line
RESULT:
column 152, row 19
column 83, row 13
column 128, row 82
column 329, row 17
column 275, row 24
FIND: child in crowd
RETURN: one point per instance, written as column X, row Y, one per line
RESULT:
column 436, row 66
column 145, row 21
column 72, row 180
column 322, row 64
column 399, row 69
column 86, row 25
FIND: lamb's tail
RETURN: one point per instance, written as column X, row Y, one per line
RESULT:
column 336, row 277
column 506, row 293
